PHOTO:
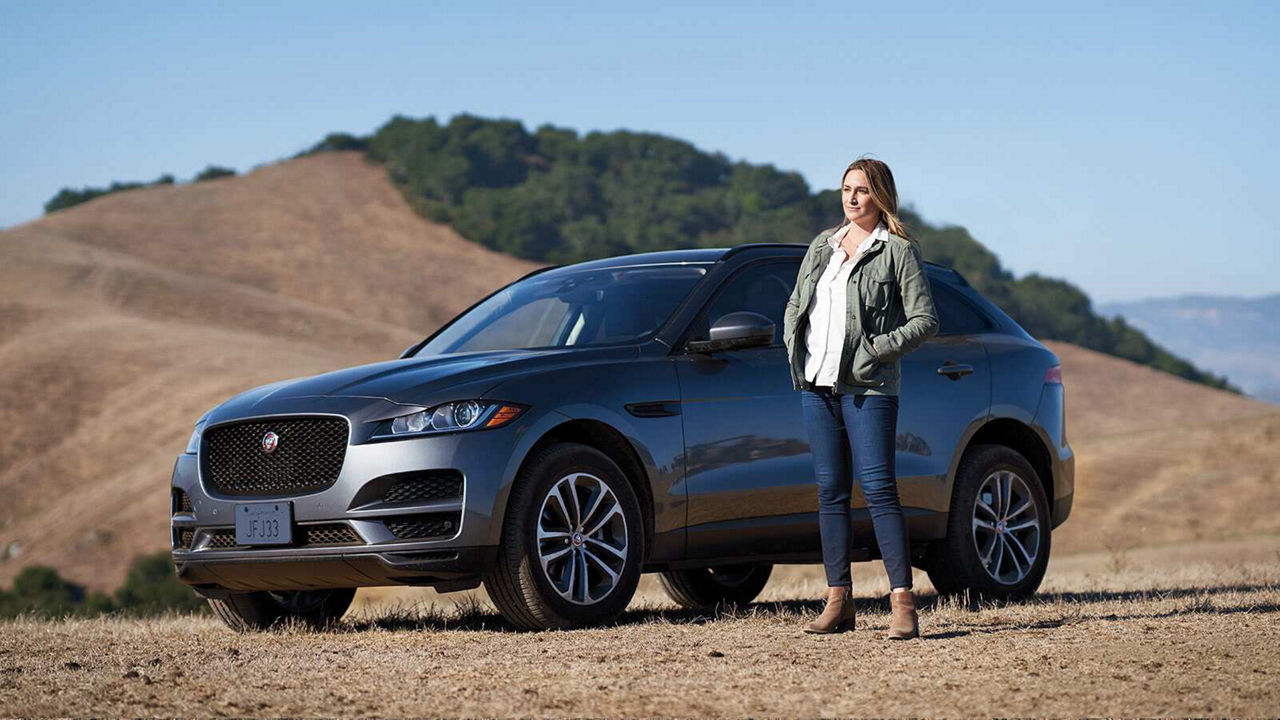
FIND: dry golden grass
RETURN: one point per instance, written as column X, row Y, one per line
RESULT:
column 1219, row 479
column 1170, row 631
column 1110, row 397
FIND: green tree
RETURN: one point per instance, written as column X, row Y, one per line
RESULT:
column 41, row 590
column 213, row 172
column 151, row 588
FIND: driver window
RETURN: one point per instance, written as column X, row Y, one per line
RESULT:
column 763, row 289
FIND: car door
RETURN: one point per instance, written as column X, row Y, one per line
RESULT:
column 946, row 388
column 748, row 473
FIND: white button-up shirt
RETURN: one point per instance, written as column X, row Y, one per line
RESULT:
column 824, row 336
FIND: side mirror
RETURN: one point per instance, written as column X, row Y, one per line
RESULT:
column 734, row 331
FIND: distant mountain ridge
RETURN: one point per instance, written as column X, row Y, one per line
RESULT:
column 1237, row 337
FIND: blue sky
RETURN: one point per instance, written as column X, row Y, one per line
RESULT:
column 1130, row 149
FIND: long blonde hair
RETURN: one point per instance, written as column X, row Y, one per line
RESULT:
column 884, row 193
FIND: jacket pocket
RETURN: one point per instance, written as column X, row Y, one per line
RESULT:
column 877, row 290
column 864, row 368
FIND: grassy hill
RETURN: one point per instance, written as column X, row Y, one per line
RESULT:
column 123, row 318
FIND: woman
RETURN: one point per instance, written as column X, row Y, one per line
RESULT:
column 844, row 341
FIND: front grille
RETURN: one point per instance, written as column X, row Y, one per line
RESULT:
column 221, row 539
column 185, row 538
column 329, row 534
column 426, row 525
column 181, row 501
column 426, row 487
column 308, row 456
column 321, row 534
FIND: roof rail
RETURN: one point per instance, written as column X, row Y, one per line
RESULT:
column 752, row 246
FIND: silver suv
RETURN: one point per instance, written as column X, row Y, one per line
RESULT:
column 591, row 422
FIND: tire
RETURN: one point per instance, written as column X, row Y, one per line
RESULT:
column 706, row 588
column 583, row 571
column 260, row 610
column 1013, row 538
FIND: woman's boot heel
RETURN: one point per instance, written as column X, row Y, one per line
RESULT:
column 904, row 623
column 838, row 616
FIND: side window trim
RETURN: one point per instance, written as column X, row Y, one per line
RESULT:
column 951, row 294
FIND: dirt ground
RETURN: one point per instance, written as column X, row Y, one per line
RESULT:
column 1178, row 630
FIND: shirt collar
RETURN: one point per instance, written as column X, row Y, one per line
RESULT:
column 881, row 232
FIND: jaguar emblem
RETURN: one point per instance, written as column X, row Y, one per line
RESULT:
column 270, row 442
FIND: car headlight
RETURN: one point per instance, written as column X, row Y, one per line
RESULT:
column 451, row 417
column 193, row 444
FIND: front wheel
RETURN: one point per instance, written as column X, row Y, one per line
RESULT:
column 260, row 610
column 998, row 534
column 705, row 588
column 572, row 542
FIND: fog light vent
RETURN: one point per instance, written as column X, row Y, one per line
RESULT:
column 424, row 526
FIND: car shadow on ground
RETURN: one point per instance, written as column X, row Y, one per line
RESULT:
column 471, row 615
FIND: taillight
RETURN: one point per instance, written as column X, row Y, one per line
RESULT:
column 1053, row 376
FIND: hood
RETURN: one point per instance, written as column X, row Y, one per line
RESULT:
column 420, row 381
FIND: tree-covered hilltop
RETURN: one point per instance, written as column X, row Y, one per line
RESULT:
column 553, row 195
column 70, row 197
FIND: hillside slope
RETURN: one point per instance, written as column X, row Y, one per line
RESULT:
column 122, row 319
column 1236, row 336
column 1160, row 459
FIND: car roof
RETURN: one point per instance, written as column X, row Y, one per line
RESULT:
column 688, row 255
column 712, row 255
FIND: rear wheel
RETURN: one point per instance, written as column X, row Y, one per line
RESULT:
column 260, row 610
column 572, row 542
column 998, row 535
column 705, row 588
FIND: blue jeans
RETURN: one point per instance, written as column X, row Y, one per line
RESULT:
column 871, row 422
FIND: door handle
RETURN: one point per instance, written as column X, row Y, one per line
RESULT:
column 954, row 371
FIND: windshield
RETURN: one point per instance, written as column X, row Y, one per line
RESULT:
column 567, row 307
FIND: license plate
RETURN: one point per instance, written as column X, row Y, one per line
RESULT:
column 264, row 524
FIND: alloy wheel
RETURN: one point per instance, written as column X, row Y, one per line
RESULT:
column 582, row 538
column 1006, row 527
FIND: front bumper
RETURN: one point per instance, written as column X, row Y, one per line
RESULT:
column 346, row 535
column 446, row 570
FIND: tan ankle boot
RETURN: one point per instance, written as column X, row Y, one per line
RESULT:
column 838, row 616
column 903, row 621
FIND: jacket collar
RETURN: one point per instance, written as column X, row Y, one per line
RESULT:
column 828, row 247
column 879, row 234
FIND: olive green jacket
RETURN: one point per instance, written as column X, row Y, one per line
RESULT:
column 887, row 282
